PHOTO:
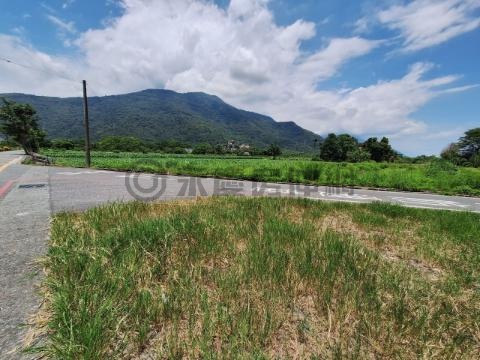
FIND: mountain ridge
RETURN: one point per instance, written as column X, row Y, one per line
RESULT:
column 159, row 114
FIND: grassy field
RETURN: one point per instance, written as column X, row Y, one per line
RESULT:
column 437, row 177
column 262, row 278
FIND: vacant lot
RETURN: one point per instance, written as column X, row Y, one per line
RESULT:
column 436, row 177
column 262, row 278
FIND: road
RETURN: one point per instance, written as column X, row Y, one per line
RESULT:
column 80, row 189
column 29, row 195
column 24, row 224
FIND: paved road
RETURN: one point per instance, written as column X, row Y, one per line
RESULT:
column 74, row 189
column 80, row 189
column 30, row 194
column 24, row 223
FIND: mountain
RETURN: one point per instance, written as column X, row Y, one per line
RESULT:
column 163, row 115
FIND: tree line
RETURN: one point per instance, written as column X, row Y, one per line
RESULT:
column 133, row 144
column 346, row 148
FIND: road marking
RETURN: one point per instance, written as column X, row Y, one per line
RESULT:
column 355, row 197
column 428, row 202
column 70, row 173
column 321, row 194
column 5, row 188
column 132, row 175
column 11, row 162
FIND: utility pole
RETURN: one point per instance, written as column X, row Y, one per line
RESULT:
column 87, row 125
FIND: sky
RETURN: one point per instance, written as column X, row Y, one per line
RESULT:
column 408, row 70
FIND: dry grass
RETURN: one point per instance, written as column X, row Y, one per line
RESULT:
column 263, row 278
column 393, row 244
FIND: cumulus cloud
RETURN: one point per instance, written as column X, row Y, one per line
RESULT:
column 383, row 108
column 238, row 53
column 425, row 23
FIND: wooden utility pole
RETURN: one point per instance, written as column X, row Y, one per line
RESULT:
column 87, row 125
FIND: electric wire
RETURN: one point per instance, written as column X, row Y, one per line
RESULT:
column 50, row 73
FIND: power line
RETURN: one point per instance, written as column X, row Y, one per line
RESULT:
column 39, row 70
column 48, row 72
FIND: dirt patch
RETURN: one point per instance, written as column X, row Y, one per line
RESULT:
column 429, row 271
column 343, row 223
column 304, row 333
column 398, row 246
column 293, row 214
column 241, row 245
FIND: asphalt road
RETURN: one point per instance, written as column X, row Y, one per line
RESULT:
column 80, row 189
column 24, row 224
column 29, row 195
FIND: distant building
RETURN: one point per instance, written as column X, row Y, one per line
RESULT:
column 234, row 147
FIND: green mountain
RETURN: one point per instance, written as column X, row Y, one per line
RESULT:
column 165, row 115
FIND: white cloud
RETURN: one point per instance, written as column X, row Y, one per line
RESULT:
column 65, row 29
column 239, row 54
column 62, row 25
column 427, row 142
column 18, row 30
column 382, row 108
column 325, row 21
column 67, row 4
column 37, row 72
column 362, row 25
column 425, row 23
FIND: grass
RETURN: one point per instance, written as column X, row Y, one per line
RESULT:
column 262, row 278
column 435, row 177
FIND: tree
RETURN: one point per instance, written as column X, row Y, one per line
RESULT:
column 219, row 149
column 347, row 144
column 475, row 160
column 204, row 148
column 273, row 150
column 330, row 149
column 121, row 143
column 171, row 146
column 379, row 150
column 19, row 122
column 358, row 155
column 469, row 145
column 63, row 144
column 452, row 153
column 466, row 151
column 337, row 148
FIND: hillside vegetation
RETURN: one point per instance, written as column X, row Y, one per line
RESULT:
column 262, row 278
column 437, row 176
column 162, row 115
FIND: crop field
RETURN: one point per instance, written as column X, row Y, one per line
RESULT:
column 438, row 177
column 262, row 278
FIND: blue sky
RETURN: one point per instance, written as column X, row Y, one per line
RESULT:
column 405, row 69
